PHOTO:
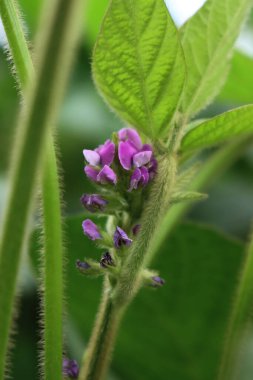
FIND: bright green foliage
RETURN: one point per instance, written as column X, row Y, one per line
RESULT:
column 187, row 196
column 208, row 39
column 219, row 129
column 169, row 326
column 138, row 64
column 238, row 88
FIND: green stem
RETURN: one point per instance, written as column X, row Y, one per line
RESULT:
column 213, row 168
column 159, row 198
column 53, row 268
column 98, row 354
column 240, row 315
column 40, row 112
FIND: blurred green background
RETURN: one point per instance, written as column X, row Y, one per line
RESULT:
column 157, row 338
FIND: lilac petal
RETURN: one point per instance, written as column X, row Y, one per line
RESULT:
column 139, row 177
column 142, row 158
column 70, row 368
column 106, row 152
column 144, row 176
column 126, row 153
column 130, row 134
column 91, row 230
column 93, row 202
column 120, row 238
column 91, row 172
column 106, row 175
column 91, row 157
column 135, row 179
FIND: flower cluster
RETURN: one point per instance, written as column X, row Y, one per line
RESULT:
column 122, row 169
column 129, row 153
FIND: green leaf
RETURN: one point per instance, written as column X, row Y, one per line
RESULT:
column 138, row 64
column 187, row 196
column 219, row 129
column 208, row 39
column 169, row 326
column 238, row 88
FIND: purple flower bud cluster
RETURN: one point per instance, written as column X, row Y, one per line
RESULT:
column 120, row 168
column 135, row 158
column 70, row 368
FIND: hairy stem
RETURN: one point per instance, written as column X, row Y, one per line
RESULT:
column 53, row 268
column 157, row 204
column 40, row 111
column 240, row 315
column 98, row 354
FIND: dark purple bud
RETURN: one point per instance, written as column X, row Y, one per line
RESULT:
column 83, row 265
column 93, row 202
column 70, row 368
column 157, row 281
column 136, row 229
column 106, row 260
column 131, row 135
column 91, row 230
column 126, row 152
column 139, row 177
column 152, row 168
column 106, row 175
column 120, row 238
column 106, row 152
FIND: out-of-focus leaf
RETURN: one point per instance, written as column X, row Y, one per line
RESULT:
column 219, row 129
column 94, row 15
column 176, row 332
column 208, row 39
column 239, row 86
column 138, row 64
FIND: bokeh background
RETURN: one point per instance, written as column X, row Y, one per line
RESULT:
column 85, row 121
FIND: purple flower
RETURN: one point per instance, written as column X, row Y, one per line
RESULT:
column 91, row 230
column 157, row 281
column 103, row 155
column 140, row 177
column 106, row 260
column 93, row 202
column 70, row 368
column 103, row 176
column 136, row 229
column 106, row 175
column 83, row 265
column 131, row 135
column 120, row 238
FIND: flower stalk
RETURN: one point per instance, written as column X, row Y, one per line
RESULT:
column 142, row 177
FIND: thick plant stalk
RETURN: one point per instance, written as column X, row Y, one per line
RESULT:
column 53, row 268
column 43, row 98
column 115, row 301
column 240, row 315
